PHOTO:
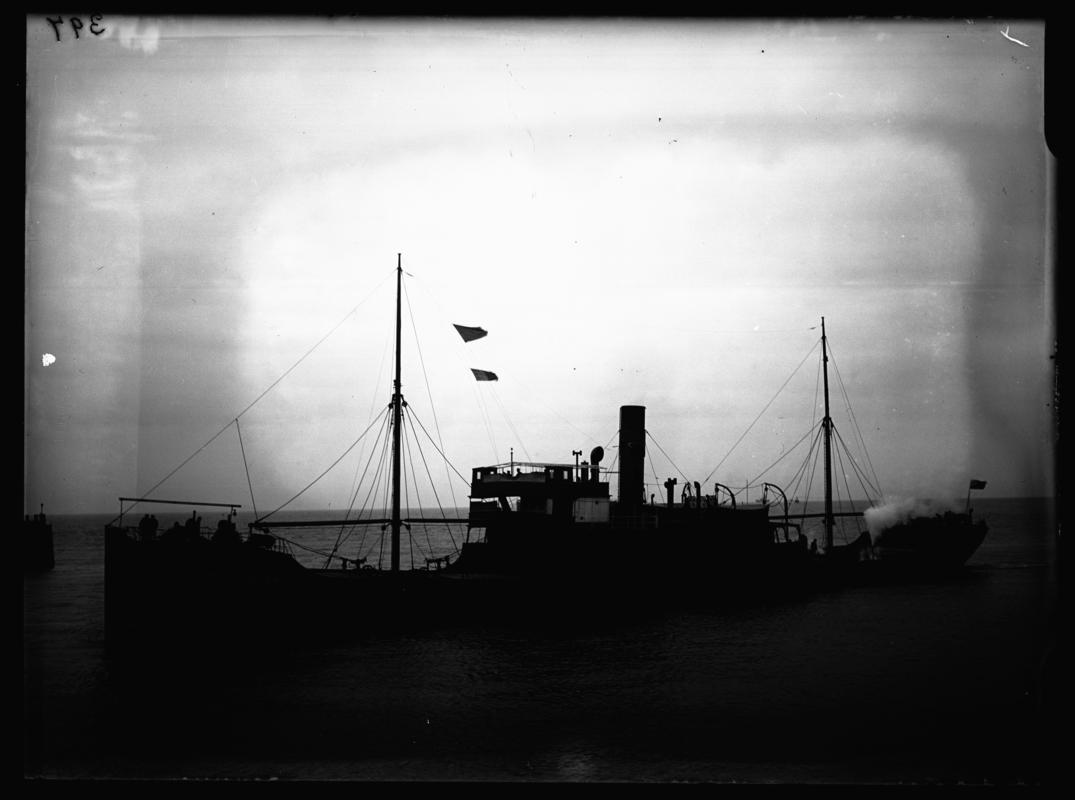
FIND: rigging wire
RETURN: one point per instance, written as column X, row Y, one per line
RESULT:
column 350, row 447
column 483, row 409
column 318, row 344
column 837, row 501
column 531, row 395
column 486, row 420
column 816, row 425
column 442, row 455
column 186, row 461
column 847, row 486
column 387, row 501
column 813, row 470
column 357, row 483
column 783, row 455
column 728, row 332
column 815, row 450
column 511, row 425
column 817, row 393
column 752, row 424
column 412, row 474
column 854, row 422
column 868, row 488
column 653, row 469
column 375, row 487
column 852, row 464
column 795, row 481
column 611, row 439
column 379, row 474
column 670, row 461
column 436, row 496
column 307, row 548
column 246, row 466
column 845, row 460
column 424, row 521
column 429, row 392
column 860, row 441
column 843, row 472
column 405, row 458
column 356, row 480
column 612, row 469
column 341, row 537
column 257, row 399
column 554, row 412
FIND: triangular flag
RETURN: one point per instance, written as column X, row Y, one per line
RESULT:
column 470, row 334
column 483, row 375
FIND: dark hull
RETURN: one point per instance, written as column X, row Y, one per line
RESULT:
column 195, row 589
column 199, row 591
column 939, row 543
column 530, row 571
column 37, row 549
column 688, row 562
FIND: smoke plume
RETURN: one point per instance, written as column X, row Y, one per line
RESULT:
column 898, row 510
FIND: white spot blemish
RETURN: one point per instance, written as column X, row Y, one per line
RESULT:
column 47, row 359
column 1004, row 33
column 140, row 35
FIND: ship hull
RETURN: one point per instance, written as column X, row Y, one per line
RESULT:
column 38, row 554
column 523, row 570
column 657, row 557
column 197, row 590
column 234, row 594
column 942, row 542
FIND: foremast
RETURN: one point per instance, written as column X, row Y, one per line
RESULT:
column 826, row 425
column 397, row 415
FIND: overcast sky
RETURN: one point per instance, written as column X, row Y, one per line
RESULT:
column 653, row 213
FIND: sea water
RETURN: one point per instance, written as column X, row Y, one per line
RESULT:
column 949, row 681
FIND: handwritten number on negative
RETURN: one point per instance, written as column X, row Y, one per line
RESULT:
column 96, row 28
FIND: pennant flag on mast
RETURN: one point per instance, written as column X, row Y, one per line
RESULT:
column 470, row 334
column 975, row 484
column 483, row 375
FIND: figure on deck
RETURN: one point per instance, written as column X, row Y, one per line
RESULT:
column 226, row 531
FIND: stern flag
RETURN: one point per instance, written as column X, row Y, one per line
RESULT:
column 483, row 375
column 470, row 334
column 977, row 484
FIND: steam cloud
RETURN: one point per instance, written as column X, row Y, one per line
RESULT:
column 897, row 510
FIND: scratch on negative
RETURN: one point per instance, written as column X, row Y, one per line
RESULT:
column 1004, row 33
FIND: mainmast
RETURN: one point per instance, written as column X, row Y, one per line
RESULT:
column 397, row 412
column 826, row 425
